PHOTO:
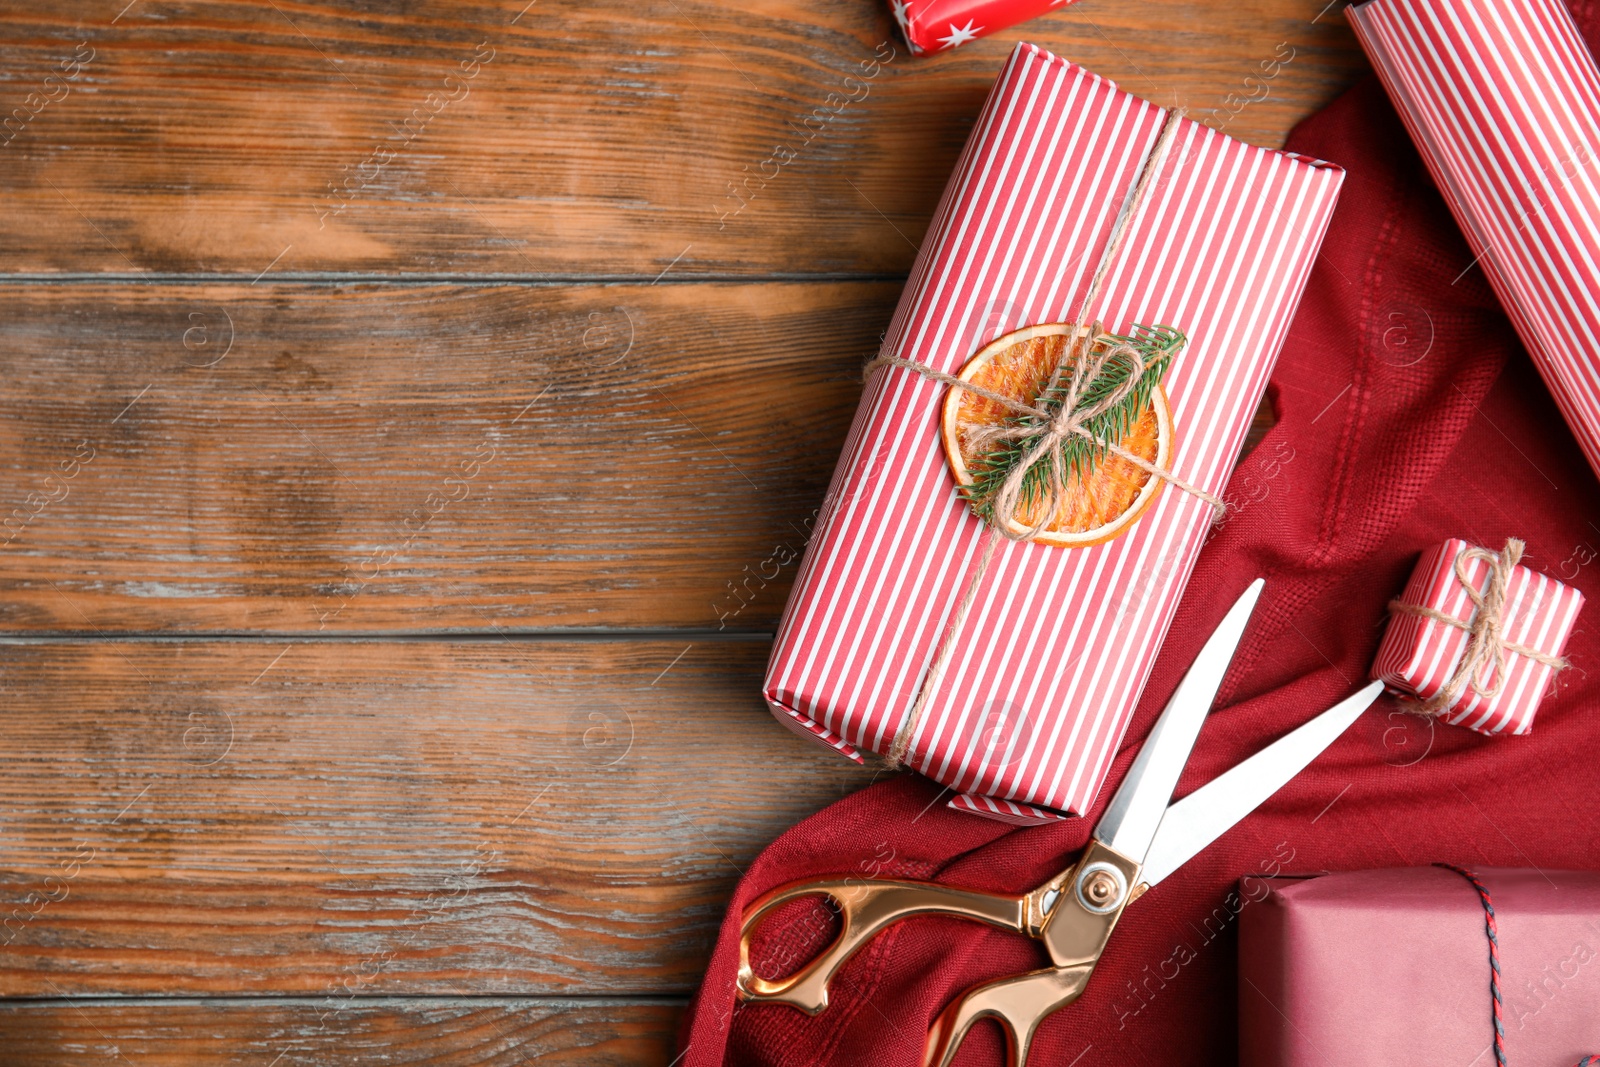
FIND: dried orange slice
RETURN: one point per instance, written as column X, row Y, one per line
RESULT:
column 1100, row 502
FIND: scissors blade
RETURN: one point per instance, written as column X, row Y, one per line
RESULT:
column 1130, row 822
column 1206, row 814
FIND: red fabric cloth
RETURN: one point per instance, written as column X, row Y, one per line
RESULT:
column 1407, row 414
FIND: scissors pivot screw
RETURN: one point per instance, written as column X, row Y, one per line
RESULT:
column 1101, row 888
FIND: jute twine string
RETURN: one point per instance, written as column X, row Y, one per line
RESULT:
column 1486, row 643
column 1089, row 357
column 1091, row 354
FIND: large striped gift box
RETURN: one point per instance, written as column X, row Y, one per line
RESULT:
column 1046, row 648
column 1502, row 98
column 1419, row 655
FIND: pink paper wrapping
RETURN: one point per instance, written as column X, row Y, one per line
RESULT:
column 1026, row 717
column 1502, row 98
column 1418, row 656
column 1392, row 967
column 939, row 25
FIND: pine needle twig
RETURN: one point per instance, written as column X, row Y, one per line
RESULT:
column 1157, row 346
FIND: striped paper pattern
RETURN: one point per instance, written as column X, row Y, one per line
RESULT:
column 1418, row 656
column 1503, row 100
column 1055, row 650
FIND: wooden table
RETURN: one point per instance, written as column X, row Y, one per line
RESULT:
column 408, row 424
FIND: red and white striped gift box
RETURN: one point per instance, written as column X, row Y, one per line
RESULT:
column 1419, row 655
column 1051, row 657
column 939, row 25
column 1503, row 100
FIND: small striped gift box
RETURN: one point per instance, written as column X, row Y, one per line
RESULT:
column 1011, row 677
column 1419, row 655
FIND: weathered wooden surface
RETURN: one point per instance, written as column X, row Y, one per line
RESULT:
column 574, row 138
column 556, row 361
column 378, row 458
column 500, row 816
column 330, row 1032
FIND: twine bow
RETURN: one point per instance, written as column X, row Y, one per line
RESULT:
column 1486, row 643
column 1051, row 425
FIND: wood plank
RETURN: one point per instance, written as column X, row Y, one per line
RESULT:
column 380, row 458
column 517, row 817
column 593, row 138
column 438, row 1032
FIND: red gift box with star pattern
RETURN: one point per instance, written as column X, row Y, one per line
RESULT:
column 939, row 25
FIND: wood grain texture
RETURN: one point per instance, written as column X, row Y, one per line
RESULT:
column 300, row 338
column 298, row 1032
column 518, row 817
column 587, row 138
column 380, row 458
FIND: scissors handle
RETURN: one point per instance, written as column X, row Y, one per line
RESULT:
column 1019, row 1004
column 865, row 907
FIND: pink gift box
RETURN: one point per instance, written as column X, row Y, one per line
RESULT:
column 940, row 25
column 1419, row 655
column 1392, row 967
column 1022, row 720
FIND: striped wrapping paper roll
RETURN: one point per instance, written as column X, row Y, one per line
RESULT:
column 1049, row 660
column 1419, row 655
column 1503, row 100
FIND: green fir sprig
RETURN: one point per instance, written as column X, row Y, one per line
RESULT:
column 1157, row 345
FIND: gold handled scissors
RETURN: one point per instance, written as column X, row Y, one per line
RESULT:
column 1140, row 839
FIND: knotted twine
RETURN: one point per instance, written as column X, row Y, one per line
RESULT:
column 1087, row 365
column 1091, row 355
column 1486, row 643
